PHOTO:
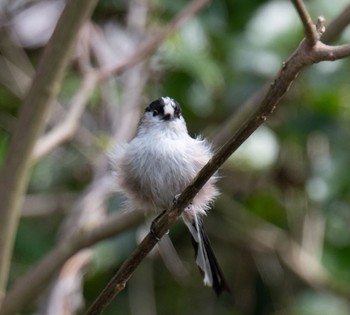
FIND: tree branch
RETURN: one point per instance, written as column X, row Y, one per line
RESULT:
column 23, row 290
column 66, row 129
column 22, row 293
column 303, row 56
column 190, row 10
column 16, row 169
column 311, row 34
column 233, row 122
column 67, row 295
column 324, row 52
column 258, row 235
column 32, row 284
column 337, row 26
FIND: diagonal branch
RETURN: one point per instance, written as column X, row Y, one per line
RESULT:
column 232, row 124
column 300, row 59
column 304, row 56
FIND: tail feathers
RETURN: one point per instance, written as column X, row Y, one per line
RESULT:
column 205, row 258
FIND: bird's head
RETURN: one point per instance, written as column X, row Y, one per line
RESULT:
column 163, row 116
column 164, row 108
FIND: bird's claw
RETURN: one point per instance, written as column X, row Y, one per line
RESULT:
column 175, row 202
column 153, row 226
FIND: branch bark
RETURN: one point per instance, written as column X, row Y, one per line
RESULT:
column 311, row 33
column 332, row 32
column 304, row 56
column 16, row 169
column 22, row 291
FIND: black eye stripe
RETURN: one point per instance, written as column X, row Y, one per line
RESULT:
column 157, row 108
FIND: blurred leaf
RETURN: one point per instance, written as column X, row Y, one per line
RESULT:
column 267, row 207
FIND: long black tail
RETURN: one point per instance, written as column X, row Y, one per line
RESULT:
column 205, row 258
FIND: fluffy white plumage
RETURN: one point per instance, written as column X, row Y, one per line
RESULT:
column 158, row 164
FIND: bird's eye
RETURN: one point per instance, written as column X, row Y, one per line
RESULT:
column 155, row 112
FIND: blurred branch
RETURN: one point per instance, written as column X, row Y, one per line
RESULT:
column 337, row 26
column 11, row 76
column 66, row 129
column 60, row 134
column 304, row 56
column 171, row 258
column 16, row 168
column 91, row 210
column 47, row 204
column 296, row 258
column 313, row 239
column 258, row 235
column 17, row 76
column 141, row 291
column 16, row 69
column 32, row 283
column 23, row 292
column 41, row 274
column 149, row 47
column 67, row 297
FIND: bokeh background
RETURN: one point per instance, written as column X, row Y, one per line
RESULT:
column 280, row 228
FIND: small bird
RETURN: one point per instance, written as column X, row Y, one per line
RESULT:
column 158, row 164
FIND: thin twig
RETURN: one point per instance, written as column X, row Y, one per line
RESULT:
column 66, row 129
column 256, row 234
column 259, row 235
column 61, row 133
column 310, row 31
column 189, row 11
column 232, row 124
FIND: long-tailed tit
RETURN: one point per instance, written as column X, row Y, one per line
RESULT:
column 158, row 164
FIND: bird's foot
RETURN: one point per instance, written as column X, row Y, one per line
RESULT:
column 175, row 202
column 153, row 231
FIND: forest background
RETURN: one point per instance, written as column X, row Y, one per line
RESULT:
column 280, row 228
